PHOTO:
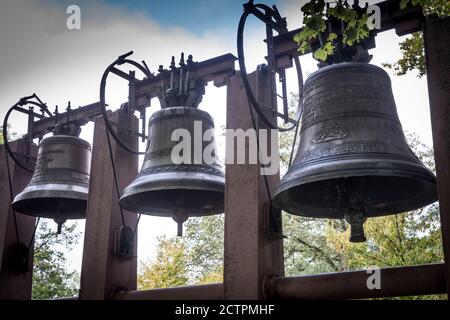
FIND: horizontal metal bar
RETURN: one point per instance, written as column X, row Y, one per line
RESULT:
column 212, row 291
column 395, row 282
column 66, row 298
column 28, row 112
column 81, row 116
column 122, row 74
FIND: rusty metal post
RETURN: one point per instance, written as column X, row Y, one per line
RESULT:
column 14, row 285
column 103, row 272
column 250, row 253
column 437, row 50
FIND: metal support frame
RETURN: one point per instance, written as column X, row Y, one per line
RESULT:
column 213, row 291
column 14, row 285
column 103, row 272
column 395, row 282
column 437, row 50
column 251, row 253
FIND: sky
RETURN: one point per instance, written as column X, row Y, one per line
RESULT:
column 38, row 54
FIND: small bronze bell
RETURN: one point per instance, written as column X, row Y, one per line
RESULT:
column 59, row 186
column 353, row 160
column 178, row 190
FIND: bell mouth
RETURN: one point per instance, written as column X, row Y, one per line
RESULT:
column 378, row 196
column 52, row 201
column 163, row 202
column 163, row 193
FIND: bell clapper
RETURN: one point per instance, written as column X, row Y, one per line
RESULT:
column 59, row 221
column 356, row 218
column 179, row 217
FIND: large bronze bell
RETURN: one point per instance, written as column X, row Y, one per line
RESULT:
column 59, row 186
column 163, row 188
column 353, row 160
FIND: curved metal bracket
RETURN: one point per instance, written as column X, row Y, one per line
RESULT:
column 273, row 21
column 131, row 107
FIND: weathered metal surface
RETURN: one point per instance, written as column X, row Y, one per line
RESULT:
column 213, row 291
column 164, row 188
column 437, row 49
column 60, row 182
column 216, row 69
column 103, row 273
column 14, row 285
column 394, row 282
column 80, row 116
column 250, row 252
column 352, row 155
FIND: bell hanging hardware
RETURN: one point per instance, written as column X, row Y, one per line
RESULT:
column 59, row 186
column 273, row 21
column 164, row 187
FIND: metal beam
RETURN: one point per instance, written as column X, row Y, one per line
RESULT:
column 15, row 286
column 437, row 50
column 80, row 116
column 395, row 282
column 212, row 291
column 250, row 251
column 103, row 272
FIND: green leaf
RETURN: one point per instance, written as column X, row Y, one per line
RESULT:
column 331, row 37
column 323, row 53
column 403, row 4
column 315, row 23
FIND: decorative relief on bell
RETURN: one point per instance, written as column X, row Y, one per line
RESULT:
column 330, row 132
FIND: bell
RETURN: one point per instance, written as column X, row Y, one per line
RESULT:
column 59, row 186
column 173, row 189
column 353, row 160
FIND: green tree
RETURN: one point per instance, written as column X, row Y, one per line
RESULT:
column 51, row 279
column 11, row 135
column 412, row 48
column 169, row 268
column 205, row 243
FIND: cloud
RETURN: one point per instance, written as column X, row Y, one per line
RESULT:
column 39, row 54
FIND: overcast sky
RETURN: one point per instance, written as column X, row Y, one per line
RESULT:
column 39, row 54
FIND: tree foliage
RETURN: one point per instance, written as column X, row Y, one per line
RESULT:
column 51, row 277
column 169, row 268
column 196, row 258
column 317, row 12
column 412, row 48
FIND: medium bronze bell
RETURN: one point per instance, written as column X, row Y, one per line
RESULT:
column 177, row 190
column 353, row 160
column 59, row 186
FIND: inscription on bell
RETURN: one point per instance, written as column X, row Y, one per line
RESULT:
column 345, row 148
column 330, row 132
